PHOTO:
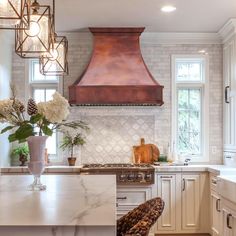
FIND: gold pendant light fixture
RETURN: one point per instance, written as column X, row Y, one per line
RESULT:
column 55, row 62
column 38, row 38
column 35, row 35
column 13, row 13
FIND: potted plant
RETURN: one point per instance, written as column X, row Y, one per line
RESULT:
column 34, row 124
column 70, row 141
column 22, row 152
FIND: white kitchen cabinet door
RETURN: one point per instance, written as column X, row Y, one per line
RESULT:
column 229, row 108
column 216, row 214
column 191, row 202
column 167, row 191
column 227, row 219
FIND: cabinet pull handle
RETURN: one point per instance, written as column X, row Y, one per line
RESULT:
column 166, row 177
column 218, row 205
column 226, row 94
column 121, row 198
column 228, row 220
column 183, row 185
column 214, row 181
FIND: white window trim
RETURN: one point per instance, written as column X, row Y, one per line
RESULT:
column 29, row 86
column 205, row 105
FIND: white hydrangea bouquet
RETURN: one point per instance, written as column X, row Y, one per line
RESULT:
column 41, row 119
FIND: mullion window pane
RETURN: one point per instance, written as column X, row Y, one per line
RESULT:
column 37, row 76
column 189, row 71
column 39, row 95
column 189, row 121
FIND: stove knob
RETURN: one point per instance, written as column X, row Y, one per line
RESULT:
column 122, row 177
column 139, row 177
column 148, row 177
column 130, row 177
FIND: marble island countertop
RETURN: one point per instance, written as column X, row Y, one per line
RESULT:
column 70, row 200
column 216, row 169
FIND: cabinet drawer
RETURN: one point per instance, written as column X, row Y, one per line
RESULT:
column 132, row 197
column 213, row 182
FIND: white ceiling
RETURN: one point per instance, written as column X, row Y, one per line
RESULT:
column 190, row 16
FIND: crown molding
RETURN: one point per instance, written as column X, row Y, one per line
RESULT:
column 228, row 30
column 155, row 38
column 180, row 38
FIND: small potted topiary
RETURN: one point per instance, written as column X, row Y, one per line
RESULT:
column 69, row 142
column 22, row 152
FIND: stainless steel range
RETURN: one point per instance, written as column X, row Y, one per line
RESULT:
column 125, row 173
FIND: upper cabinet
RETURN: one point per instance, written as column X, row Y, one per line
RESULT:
column 228, row 33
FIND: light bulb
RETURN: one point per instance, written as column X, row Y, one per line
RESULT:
column 34, row 29
column 53, row 54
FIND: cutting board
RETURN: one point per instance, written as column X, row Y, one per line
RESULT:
column 145, row 153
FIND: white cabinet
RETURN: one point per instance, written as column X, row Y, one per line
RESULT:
column 215, row 202
column 190, row 202
column 228, row 220
column 167, row 191
column 215, row 214
column 186, row 199
column 229, row 108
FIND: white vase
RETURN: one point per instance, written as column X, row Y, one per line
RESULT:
column 37, row 162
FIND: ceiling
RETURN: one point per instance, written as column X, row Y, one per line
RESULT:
column 190, row 16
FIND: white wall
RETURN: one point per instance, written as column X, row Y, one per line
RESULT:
column 5, row 79
column 114, row 130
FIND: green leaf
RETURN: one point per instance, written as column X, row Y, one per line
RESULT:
column 47, row 131
column 24, row 131
column 36, row 118
column 12, row 138
column 7, row 129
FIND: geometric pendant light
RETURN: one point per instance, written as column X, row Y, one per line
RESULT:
column 14, row 12
column 38, row 38
column 55, row 63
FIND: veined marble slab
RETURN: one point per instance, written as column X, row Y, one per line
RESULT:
column 70, row 200
column 216, row 169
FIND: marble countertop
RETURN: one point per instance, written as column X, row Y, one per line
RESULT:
column 216, row 169
column 69, row 200
column 230, row 178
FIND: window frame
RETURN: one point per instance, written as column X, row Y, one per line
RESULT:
column 204, row 86
column 45, row 84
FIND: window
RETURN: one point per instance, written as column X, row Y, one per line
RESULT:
column 190, row 106
column 41, row 89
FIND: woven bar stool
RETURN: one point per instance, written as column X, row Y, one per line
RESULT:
column 139, row 221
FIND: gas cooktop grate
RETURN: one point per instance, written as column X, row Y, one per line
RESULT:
column 118, row 165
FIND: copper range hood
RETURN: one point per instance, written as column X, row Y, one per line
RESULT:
column 116, row 73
